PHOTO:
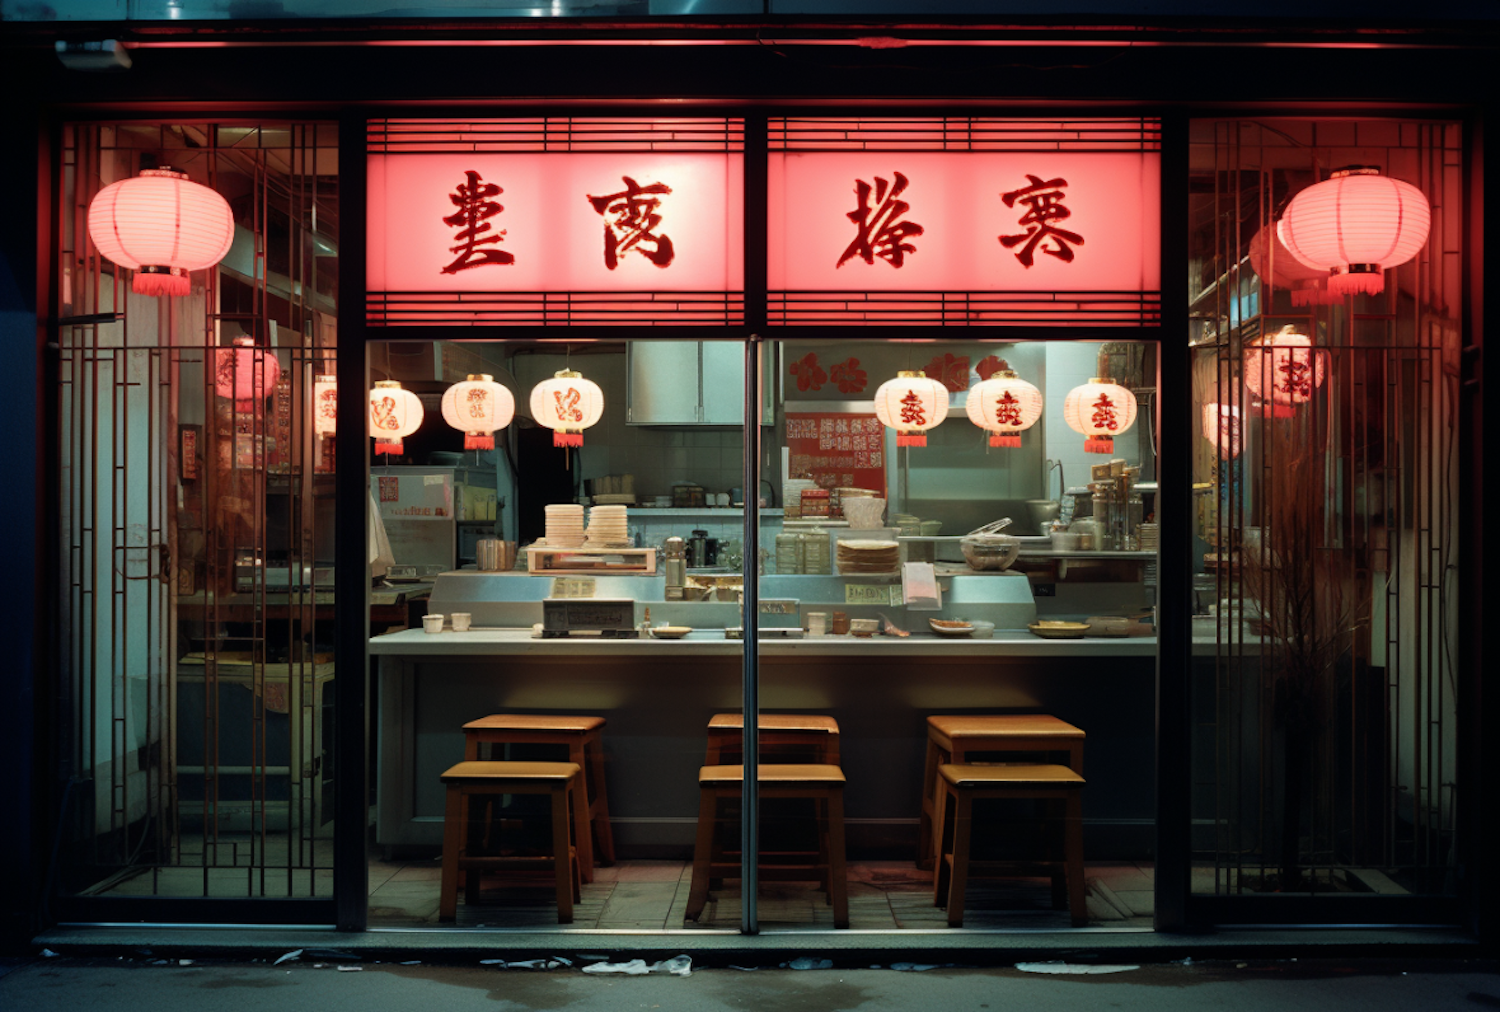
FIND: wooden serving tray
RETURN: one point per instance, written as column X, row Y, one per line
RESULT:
column 590, row 561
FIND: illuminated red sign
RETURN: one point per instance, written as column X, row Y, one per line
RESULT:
column 968, row 220
column 556, row 222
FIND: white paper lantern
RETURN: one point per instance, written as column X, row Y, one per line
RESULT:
column 477, row 407
column 567, row 404
column 325, row 407
column 246, row 374
column 1005, row 405
column 1221, row 427
column 1282, row 371
column 911, row 404
column 394, row 413
column 1100, row 410
column 1354, row 225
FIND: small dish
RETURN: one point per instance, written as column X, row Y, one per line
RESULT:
column 950, row 627
column 671, row 632
column 864, row 626
column 1053, row 630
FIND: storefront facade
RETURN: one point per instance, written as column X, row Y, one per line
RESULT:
column 197, row 749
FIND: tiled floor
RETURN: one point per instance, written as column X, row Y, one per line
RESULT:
column 646, row 895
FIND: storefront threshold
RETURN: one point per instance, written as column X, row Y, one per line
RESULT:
column 725, row 948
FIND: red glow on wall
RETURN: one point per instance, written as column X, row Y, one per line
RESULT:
column 1075, row 221
column 574, row 222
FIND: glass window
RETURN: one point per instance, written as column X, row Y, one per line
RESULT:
column 1326, row 392
column 197, row 514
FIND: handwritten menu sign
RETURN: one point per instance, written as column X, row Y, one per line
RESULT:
column 837, row 449
column 872, row 593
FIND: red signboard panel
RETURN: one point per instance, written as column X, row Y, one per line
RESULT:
column 975, row 221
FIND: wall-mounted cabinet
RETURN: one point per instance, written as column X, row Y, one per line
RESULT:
column 692, row 383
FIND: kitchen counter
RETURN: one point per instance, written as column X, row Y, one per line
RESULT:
column 711, row 643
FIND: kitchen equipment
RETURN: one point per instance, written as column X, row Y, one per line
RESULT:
column 494, row 556
column 988, row 548
column 608, row 617
column 687, row 496
column 864, row 512
column 1041, row 513
column 674, row 556
column 698, row 550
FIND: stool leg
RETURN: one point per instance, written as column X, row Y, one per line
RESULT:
column 838, row 885
column 453, row 835
column 477, row 838
column 583, row 830
column 940, row 826
column 963, row 822
column 562, row 855
column 598, row 803
column 1073, row 846
column 702, row 854
column 578, row 795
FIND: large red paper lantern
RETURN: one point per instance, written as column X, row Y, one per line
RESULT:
column 394, row 414
column 1005, row 405
column 1274, row 264
column 567, row 404
column 477, row 407
column 325, row 404
column 161, row 225
column 911, row 404
column 245, row 374
column 1354, row 225
column 1282, row 371
column 1221, row 427
column 1100, row 410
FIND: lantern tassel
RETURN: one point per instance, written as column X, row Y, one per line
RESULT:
column 478, row 441
column 911, row 439
column 1357, row 283
column 391, row 446
column 564, row 438
column 160, row 284
column 1099, row 444
column 1009, row 439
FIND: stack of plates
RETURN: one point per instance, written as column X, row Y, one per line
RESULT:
column 868, row 556
column 607, row 527
column 564, row 525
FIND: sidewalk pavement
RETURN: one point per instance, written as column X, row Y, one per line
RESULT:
column 149, row 983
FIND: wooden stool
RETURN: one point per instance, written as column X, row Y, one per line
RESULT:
column 951, row 739
column 821, row 783
column 584, row 739
column 562, row 781
column 966, row 784
column 811, row 733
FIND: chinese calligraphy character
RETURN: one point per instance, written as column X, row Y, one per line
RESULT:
column 327, row 405
column 1008, row 410
column 1104, row 414
column 477, row 401
column 911, row 409
column 629, row 218
column 880, row 233
column 1296, row 376
column 474, row 207
column 383, row 414
column 566, row 405
column 1043, row 201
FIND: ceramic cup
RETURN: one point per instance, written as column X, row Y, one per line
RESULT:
column 460, row 621
column 432, row 623
column 817, row 623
